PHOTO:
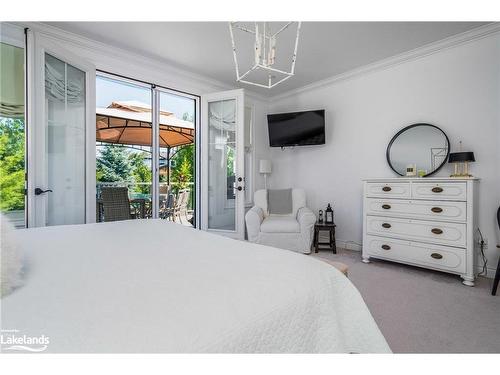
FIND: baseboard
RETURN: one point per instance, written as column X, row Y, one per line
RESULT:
column 348, row 245
column 491, row 272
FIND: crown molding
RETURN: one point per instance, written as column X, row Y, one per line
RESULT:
column 131, row 57
column 417, row 53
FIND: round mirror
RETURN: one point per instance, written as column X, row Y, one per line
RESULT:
column 418, row 147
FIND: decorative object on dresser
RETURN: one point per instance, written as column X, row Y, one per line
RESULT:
column 324, row 227
column 423, row 146
column 320, row 217
column 461, row 162
column 411, row 170
column 427, row 223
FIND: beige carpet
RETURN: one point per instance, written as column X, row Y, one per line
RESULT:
column 422, row 311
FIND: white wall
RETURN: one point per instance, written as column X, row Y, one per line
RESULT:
column 456, row 89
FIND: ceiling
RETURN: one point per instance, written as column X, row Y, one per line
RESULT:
column 325, row 49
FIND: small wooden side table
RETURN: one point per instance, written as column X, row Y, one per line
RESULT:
column 331, row 243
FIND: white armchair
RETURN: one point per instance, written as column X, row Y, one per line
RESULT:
column 292, row 232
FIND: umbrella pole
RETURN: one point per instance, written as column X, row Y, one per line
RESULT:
column 168, row 166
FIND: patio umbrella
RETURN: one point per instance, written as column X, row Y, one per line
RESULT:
column 129, row 123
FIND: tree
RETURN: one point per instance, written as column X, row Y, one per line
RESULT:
column 11, row 164
column 182, row 174
column 141, row 172
column 114, row 165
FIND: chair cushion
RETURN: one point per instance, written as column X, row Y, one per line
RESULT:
column 279, row 201
column 280, row 224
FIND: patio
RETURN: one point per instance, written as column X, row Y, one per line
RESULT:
column 127, row 124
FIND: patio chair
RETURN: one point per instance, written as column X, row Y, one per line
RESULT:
column 116, row 204
column 167, row 207
column 180, row 207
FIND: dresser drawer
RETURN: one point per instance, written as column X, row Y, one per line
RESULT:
column 432, row 256
column 390, row 189
column 436, row 190
column 415, row 209
column 453, row 234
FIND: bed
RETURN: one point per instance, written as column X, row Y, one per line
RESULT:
column 152, row 286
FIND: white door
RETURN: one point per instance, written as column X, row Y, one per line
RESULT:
column 222, row 163
column 61, row 135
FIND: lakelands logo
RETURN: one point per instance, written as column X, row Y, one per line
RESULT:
column 12, row 340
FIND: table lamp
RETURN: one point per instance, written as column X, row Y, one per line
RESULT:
column 265, row 169
column 461, row 161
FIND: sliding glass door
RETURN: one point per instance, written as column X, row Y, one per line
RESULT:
column 177, row 157
column 145, row 151
column 123, row 149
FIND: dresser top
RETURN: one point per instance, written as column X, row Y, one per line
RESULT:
column 379, row 179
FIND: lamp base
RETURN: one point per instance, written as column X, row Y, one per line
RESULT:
column 461, row 170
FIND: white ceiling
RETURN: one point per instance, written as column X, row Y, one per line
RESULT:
column 325, row 49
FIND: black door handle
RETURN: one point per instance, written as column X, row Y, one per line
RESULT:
column 239, row 188
column 39, row 191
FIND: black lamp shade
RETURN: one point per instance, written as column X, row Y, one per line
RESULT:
column 457, row 157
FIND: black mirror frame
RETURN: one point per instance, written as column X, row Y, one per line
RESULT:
column 410, row 127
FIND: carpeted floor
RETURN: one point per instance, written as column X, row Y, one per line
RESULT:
column 422, row 311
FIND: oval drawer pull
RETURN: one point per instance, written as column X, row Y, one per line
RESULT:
column 436, row 209
column 386, row 225
column 386, row 207
column 386, row 188
column 437, row 231
column 386, row 247
column 437, row 189
column 436, row 256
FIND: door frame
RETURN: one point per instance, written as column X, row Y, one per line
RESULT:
column 37, row 44
column 239, row 96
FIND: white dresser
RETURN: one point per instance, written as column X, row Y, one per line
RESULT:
column 426, row 222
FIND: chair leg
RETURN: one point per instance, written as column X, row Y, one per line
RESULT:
column 497, row 279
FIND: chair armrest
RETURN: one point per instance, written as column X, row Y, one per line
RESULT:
column 253, row 219
column 306, row 218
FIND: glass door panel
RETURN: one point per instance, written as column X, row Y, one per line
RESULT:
column 223, row 190
column 221, row 168
column 65, row 142
column 12, row 134
column 176, row 167
column 61, row 88
column 123, row 149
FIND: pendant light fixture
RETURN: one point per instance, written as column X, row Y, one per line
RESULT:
column 266, row 43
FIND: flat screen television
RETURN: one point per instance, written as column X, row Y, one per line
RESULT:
column 297, row 128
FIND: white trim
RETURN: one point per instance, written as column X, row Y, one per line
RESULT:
column 130, row 64
column 12, row 34
column 426, row 50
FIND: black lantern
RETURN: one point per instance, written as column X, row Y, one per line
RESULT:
column 329, row 215
column 320, row 217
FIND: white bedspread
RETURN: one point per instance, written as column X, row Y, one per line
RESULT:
column 154, row 286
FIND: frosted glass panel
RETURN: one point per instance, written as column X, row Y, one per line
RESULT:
column 65, row 142
column 221, row 164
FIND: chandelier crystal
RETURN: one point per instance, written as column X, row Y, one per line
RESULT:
column 265, row 46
